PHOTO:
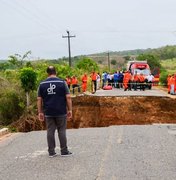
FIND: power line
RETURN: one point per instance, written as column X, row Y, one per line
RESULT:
column 27, row 13
column 44, row 13
column 69, row 50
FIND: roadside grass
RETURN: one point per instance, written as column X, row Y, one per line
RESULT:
column 169, row 65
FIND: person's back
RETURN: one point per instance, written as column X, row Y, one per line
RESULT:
column 172, row 84
column 54, row 106
column 150, row 78
column 141, row 78
column 104, row 79
column 127, row 76
column 98, row 80
column 116, row 76
column 94, row 81
column 53, row 91
column 84, row 78
column 141, row 81
column 121, row 76
column 74, row 80
column 84, row 82
column 168, row 83
column 135, row 80
column 75, row 84
column 136, row 77
column 103, row 76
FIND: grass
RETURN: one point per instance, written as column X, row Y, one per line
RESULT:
column 169, row 65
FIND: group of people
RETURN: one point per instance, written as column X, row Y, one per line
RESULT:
column 171, row 84
column 123, row 80
column 73, row 83
column 127, row 81
column 137, row 80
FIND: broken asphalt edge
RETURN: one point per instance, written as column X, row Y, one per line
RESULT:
column 4, row 131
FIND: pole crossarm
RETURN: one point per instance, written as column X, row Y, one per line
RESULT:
column 68, row 36
column 69, row 49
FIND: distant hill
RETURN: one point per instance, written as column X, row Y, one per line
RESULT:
column 118, row 59
column 3, row 61
column 123, row 53
column 121, row 57
column 165, row 52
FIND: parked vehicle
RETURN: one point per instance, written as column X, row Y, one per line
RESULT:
column 142, row 67
column 139, row 67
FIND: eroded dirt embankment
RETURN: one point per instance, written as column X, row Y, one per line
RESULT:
column 92, row 111
column 105, row 111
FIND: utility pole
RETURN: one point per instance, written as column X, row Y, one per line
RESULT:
column 69, row 50
column 109, row 62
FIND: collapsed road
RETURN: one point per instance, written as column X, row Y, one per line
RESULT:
column 114, row 107
column 118, row 107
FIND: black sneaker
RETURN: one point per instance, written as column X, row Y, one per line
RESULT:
column 68, row 153
column 52, row 155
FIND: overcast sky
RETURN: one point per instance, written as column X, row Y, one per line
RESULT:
column 99, row 25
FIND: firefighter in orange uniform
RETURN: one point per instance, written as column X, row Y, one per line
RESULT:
column 175, row 83
column 168, row 83
column 94, row 81
column 126, row 79
column 172, row 83
column 135, row 80
column 84, row 82
column 75, row 84
column 141, row 81
column 68, row 81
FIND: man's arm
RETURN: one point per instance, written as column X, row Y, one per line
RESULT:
column 40, row 109
column 69, row 106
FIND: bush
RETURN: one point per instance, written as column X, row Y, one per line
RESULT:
column 163, row 77
column 11, row 107
column 87, row 64
column 113, row 62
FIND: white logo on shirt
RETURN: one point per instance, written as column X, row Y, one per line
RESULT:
column 50, row 90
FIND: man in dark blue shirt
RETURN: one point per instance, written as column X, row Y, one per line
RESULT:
column 55, row 106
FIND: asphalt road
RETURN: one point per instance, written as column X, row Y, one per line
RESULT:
column 120, row 92
column 115, row 153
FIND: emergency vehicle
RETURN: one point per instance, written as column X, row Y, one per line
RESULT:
column 142, row 67
column 139, row 67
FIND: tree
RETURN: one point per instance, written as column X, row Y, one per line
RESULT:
column 13, row 60
column 87, row 64
column 28, row 79
column 163, row 77
column 113, row 62
column 4, row 66
column 152, row 60
column 17, row 60
column 127, row 58
column 63, row 71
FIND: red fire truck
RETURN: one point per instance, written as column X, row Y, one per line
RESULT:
column 144, row 68
column 139, row 67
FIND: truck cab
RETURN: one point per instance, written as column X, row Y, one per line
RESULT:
column 139, row 67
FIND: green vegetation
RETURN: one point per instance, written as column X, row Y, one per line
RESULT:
column 163, row 77
column 28, row 79
column 164, row 53
column 19, row 77
column 168, row 68
column 113, row 62
column 87, row 64
column 11, row 106
column 152, row 60
column 19, row 80
column 170, row 65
